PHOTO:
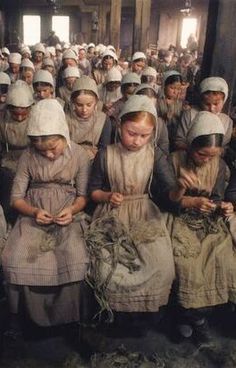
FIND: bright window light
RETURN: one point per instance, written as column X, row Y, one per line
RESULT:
column 31, row 29
column 61, row 26
column 189, row 26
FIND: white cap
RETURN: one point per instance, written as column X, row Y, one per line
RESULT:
column 58, row 47
column 138, row 55
column 25, row 50
column 143, row 86
column 214, row 84
column 113, row 75
column 43, row 76
column 48, row 62
column 205, row 123
column 91, row 44
column 69, row 54
column 108, row 52
column 137, row 103
column 4, row 78
column 85, row 83
column 15, row 58
column 71, row 71
column 39, row 47
column 27, row 63
column 5, row 51
column 48, row 118
column 149, row 71
column 131, row 78
column 112, row 48
column 19, row 95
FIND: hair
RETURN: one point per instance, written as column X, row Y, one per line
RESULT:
column 124, row 86
column 44, row 138
column 75, row 94
column 173, row 79
column 3, row 89
column 137, row 116
column 148, row 78
column 215, row 93
column 207, row 140
column 147, row 92
column 42, row 84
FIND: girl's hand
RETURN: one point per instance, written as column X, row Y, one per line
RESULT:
column 188, row 179
column 43, row 217
column 116, row 199
column 204, row 204
column 227, row 208
column 65, row 217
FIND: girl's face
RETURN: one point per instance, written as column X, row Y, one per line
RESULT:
column 19, row 113
column 85, row 105
column 213, row 102
column 138, row 66
column 38, row 56
column 107, row 62
column 129, row 89
column 134, row 135
column 15, row 68
column 70, row 82
column 51, row 148
column 27, row 76
column 112, row 86
column 3, row 98
column 69, row 62
column 173, row 90
column 43, row 92
column 203, row 155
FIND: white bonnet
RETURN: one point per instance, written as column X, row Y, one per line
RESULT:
column 69, row 54
column 15, row 58
column 131, row 78
column 71, row 71
column 113, row 75
column 43, row 76
column 27, row 63
column 20, row 95
column 168, row 74
column 39, row 47
column 149, row 71
column 48, row 118
column 85, row 83
column 111, row 53
column 205, row 123
column 137, row 103
column 215, row 84
column 4, row 78
column 138, row 55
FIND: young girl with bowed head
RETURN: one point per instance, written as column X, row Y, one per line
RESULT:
column 213, row 95
column 132, row 267
column 45, row 259
column 88, row 126
column 202, row 244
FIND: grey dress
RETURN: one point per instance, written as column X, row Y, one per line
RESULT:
column 48, row 262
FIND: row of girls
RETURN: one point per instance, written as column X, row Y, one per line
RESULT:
column 156, row 223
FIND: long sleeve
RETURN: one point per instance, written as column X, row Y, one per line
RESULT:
column 83, row 174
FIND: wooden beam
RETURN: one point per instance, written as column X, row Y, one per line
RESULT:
column 115, row 21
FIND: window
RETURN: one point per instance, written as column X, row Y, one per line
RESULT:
column 61, row 26
column 31, row 29
column 189, row 26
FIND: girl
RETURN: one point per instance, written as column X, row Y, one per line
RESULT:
column 14, row 66
column 162, row 139
column 70, row 75
column 169, row 104
column 5, row 82
column 213, row 95
column 44, row 260
column 88, row 126
column 131, row 266
column 109, row 91
column 109, row 60
column 27, row 72
column 203, row 249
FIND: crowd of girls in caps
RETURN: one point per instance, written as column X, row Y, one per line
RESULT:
column 117, row 187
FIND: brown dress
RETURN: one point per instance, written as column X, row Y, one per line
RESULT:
column 205, row 257
column 48, row 262
column 142, row 279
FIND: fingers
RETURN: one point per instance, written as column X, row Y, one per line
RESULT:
column 116, row 199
